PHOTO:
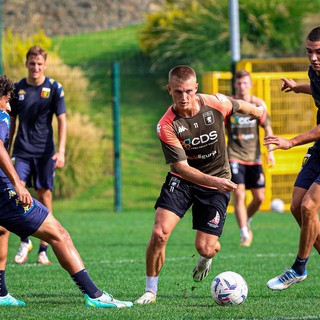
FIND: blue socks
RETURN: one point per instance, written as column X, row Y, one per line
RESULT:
column 3, row 288
column 299, row 265
column 85, row 284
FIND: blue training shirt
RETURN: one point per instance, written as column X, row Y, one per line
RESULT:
column 35, row 106
column 315, row 91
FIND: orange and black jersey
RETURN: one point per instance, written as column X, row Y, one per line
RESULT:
column 243, row 135
column 199, row 139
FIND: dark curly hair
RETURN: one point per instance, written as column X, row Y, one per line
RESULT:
column 6, row 86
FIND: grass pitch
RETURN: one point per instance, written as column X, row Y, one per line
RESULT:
column 113, row 248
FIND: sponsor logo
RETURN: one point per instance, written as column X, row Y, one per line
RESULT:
column 214, row 223
column 202, row 139
column 182, row 129
column 243, row 121
column 45, row 93
column 208, row 118
column 174, row 183
column 306, row 158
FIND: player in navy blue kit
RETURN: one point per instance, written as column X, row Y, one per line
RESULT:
column 305, row 204
column 36, row 100
column 192, row 136
column 25, row 216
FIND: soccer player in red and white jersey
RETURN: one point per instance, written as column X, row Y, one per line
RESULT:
column 192, row 136
column 244, row 154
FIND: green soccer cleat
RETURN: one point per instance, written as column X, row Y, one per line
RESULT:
column 9, row 300
column 106, row 301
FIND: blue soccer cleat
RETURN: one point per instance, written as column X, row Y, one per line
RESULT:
column 9, row 300
column 286, row 279
column 106, row 301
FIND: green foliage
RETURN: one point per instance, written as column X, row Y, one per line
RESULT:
column 188, row 32
column 86, row 143
column 196, row 32
column 274, row 28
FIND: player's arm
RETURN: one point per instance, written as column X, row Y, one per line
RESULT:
column 12, row 131
column 8, row 168
column 289, row 85
column 275, row 142
column 197, row 177
column 59, row 156
column 268, row 132
column 251, row 110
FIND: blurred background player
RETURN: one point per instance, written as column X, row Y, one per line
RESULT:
column 36, row 99
column 245, row 156
column 25, row 216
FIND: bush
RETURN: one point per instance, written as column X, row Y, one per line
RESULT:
column 86, row 144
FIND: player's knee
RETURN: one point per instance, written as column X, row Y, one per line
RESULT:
column 208, row 250
column 159, row 237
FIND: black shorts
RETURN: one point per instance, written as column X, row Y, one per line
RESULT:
column 310, row 170
column 209, row 206
column 251, row 176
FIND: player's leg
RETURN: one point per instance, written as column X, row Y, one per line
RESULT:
column 6, row 299
column 45, row 197
column 240, row 211
column 58, row 237
column 23, row 168
column 295, row 208
column 43, row 178
column 309, row 234
column 208, row 246
column 165, row 222
column 209, row 214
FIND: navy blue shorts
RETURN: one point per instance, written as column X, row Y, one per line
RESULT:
column 310, row 170
column 36, row 172
column 251, row 176
column 18, row 219
column 209, row 206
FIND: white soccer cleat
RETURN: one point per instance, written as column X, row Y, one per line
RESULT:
column 201, row 270
column 106, row 301
column 285, row 280
column 43, row 258
column 22, row 255
column 147, row 298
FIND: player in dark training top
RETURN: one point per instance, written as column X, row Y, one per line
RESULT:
column 25, row 216
column 192, row 136
column 305, row 204
column 37, row 99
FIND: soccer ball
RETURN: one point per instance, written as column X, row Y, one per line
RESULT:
column 277, row 205
column 229, row 288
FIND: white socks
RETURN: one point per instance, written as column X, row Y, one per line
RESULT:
column 152, row 284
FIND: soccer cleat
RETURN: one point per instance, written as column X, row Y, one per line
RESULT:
column 22, row 255
column 9, row 300
column 106, row 301
column 201, row 270
column 147, row 298
column 286, row 279
column 246, row 242
column 43, row 258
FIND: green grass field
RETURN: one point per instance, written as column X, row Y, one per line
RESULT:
column 113, row 248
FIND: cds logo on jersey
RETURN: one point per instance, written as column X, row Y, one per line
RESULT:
column 243, row 121
column 202, row 139
column 208, row 118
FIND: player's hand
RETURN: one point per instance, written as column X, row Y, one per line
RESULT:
column 275, row 142
column 24, row 195
column 289, row 85
column 270, row 159
column 226, row 185
column 59, row 158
